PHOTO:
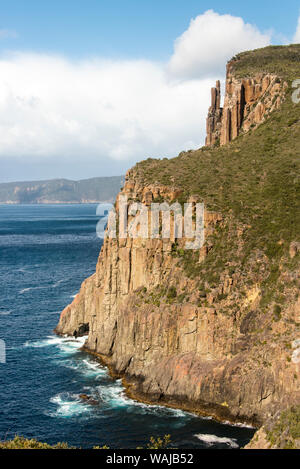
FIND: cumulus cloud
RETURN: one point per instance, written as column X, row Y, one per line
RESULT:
column 210, row 41
column 96, row 109
column 59, row 112
column 297, row 34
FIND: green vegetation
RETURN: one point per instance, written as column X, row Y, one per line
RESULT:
column 285, row 433
column 277, row 312
column 172, row 293
column 282, row 61
column 254, row 183
column 23, row 443
column 61, row 190
column 159, row 443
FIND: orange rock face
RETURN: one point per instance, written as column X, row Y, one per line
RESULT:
column 207, row 348
column 248, row 102
column 190, row 354
column 213, row 122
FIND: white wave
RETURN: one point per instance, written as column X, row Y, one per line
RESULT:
column 95, row 367
column 156, row 409
column 180, row 413
column 69, row 405
column 115, row 396
column 56, row 284
column 5, row 313
column 25, row 290
column 65, row 344
column 85, row 367
column 111, row 394
column 49, row 341
column 239, row 425
column 211, row 440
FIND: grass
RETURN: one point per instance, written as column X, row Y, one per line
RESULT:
column 282, row 61
column 254, row 182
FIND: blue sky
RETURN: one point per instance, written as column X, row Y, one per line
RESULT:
column 89, row 87
column 127, row 28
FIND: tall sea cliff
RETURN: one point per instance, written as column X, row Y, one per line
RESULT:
column 215, row 330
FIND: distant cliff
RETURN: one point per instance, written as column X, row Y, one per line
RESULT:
column 56, row 191
column 214, row 330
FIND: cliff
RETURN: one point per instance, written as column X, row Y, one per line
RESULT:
column 281, row 431
column 248, row 103
column 214, row 330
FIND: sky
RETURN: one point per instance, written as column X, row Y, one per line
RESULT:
column 88, row 88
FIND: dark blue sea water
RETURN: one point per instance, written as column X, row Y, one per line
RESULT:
column 45, row 254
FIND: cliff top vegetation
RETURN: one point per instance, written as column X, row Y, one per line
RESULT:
column 254, row 182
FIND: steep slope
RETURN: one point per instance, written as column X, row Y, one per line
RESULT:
column 217, row 330
column 281, row 431
column 102, row 189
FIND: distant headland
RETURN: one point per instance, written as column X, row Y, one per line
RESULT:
column 61, row 191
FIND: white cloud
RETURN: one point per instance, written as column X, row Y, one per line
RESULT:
column 96, row 109
column 106, row 111
column 297, row 34
column 210, row 41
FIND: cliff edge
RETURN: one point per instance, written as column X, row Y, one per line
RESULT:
column 215, row 330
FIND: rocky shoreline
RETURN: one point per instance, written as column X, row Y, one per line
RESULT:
column 131, row 389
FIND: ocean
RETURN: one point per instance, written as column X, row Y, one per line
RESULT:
column 46, row 251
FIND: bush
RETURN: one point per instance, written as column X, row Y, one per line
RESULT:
column 20, row 442
column 172, row 293
column 277, row 312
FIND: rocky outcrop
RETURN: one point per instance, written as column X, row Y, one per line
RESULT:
column 281, row 431
column 216, row 332
column 248, row 103
column 214, row 119
column 187, row 353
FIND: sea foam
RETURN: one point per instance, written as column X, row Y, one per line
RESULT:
column 211, row 440
column 69, row 405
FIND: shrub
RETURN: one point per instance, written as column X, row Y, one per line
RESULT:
column 172, row 293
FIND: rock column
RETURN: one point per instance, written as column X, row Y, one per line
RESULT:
column 213, row 123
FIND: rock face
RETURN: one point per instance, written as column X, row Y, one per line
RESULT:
column 207, row 344
column 281, row 431
column 185, row 354
column 248, row 102
column 214, row 119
